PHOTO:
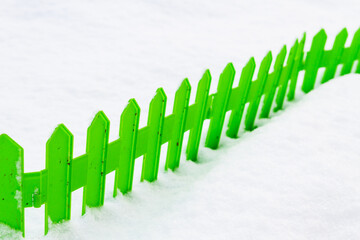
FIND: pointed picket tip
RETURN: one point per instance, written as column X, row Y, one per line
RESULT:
column 205, row 79
column 267, row 58
column 283, row 50
column 249, row 68
column 269, row 55
column 229, row 68
column 303, row 39
column 322, row 32
column 132, row 106
column 9, row 142
column 251, row 63
column 227, row 75
column 100, row 119
column 60, row 131
column 185, row 86
column 344, row 32
column 321, row 35
column 206, row 75
column 280, row 57
column 293, row 49
column 341, row 38
column 160, row 94
column 296, row 43
column 203, row 86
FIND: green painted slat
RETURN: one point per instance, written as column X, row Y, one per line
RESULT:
column 11, row 176
column 79, row 172
column 198, row 116
column 209, row 103
column 246, row 76
column 269, row 83
column 352, row 54
column 253, row 94
column 285, row 77
column 96, row 150
column 335, row 57
column 151, row 159
column 129, row 125
column 234, row 95
column 219, row 107
column 259, row 89
column 345, row 56
column 113, row 156
column 168, row 127
column 31, row 181
column 142, row 141
column 40, row 196
column 181, row 104
column 269, row 97
column 191, row 115
column 326, row 55
column 298, row 66
column 313, row 59
column 59, row 150
column 35, row 189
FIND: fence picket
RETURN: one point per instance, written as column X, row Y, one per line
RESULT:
column 254, row 102
column 285, row 77
column 181, row 105
column 335, row 57
column 151, row 159
column 247, row 74
column 59, row 150
column 353, row 54
column 268, row 99
column 11, row 176
column 313, row 60
column 219, row 106
column 202, row 95
column 129, row 125
column 298, row 64
column 96, row 150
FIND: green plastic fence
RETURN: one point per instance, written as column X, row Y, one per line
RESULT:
column 64, row 174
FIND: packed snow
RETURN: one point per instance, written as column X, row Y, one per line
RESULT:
column 294, row 177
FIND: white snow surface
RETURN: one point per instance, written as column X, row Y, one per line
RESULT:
column 294, row 177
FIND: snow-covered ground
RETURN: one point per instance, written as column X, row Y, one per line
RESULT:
column 295, row 177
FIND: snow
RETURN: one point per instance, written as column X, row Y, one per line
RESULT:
column 295, row 177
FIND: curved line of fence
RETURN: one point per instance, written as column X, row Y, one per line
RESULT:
column 64, row 174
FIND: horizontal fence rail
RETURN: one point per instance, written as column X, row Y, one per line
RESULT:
column 64, row 173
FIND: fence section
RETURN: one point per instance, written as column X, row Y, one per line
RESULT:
column 64, row 174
